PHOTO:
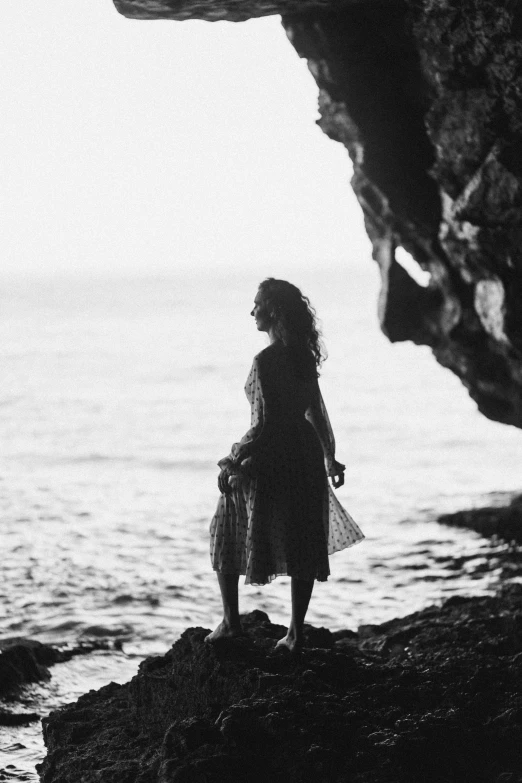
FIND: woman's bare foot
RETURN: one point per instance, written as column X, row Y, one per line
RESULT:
column 224, row 631
column 290, row 642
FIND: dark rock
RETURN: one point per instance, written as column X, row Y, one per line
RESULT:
column 218, row 10
column 427, row 99
column 447, row 709
column 17, row 718
column 25, row 660
column 504, row 522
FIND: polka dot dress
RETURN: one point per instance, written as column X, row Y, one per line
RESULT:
column 282, row 516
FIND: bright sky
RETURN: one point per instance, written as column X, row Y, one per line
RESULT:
column 142, row 146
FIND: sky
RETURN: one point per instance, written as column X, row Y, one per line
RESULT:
column 139, row 147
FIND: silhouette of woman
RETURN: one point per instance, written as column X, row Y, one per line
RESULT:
column 277, row 513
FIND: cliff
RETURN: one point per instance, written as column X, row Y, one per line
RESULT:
column 430, row 697
column 426, row 95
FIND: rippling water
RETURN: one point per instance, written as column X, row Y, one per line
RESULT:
column 119, row 397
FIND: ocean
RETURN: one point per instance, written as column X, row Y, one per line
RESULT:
column 118, row 397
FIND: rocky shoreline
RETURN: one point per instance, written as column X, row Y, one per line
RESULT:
column 25, row 661
column 434, row 697
column 504, row 522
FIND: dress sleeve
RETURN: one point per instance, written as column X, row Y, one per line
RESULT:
column 317, row 415
column 243, row 448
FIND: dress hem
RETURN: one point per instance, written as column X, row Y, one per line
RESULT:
column 284, row 573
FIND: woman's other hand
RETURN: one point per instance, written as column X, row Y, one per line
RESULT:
column 233, row 481
column 223, row 485
column 228, row 478
column 338, row 474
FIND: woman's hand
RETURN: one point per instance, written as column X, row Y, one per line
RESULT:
column 223, row 485
column 233, row 481
column 228, row 478
column 338, row 474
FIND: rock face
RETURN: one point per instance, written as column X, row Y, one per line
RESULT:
column 426, row 95
column 229, row 10
column 431, row 697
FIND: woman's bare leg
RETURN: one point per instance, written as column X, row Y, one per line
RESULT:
column 231, row 624
column 301, row 594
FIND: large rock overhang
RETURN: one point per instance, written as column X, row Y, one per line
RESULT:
column 426, row 95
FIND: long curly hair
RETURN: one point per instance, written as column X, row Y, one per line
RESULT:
column 294, row 322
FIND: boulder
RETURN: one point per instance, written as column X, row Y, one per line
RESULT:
column 23, row 661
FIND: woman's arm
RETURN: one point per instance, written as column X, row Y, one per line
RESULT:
column 262, row 418
column 266, row 410
column 262, row 426
column 317, row 415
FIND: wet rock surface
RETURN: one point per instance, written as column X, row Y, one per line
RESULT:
column 504, row 522
column 426, row 96
column 27, row 660
column 433, row 696
column 24, row 661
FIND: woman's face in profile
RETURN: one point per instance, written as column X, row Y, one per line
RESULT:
column 260, row 313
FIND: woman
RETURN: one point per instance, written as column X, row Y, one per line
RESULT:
column 277, row 514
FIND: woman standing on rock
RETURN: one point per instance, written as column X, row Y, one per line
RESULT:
column 277, row 514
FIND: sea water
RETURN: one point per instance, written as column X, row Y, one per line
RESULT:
column 118, row 396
